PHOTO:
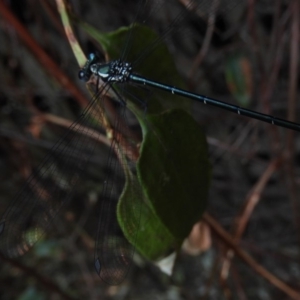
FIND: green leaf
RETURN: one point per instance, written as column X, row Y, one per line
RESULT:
column 141, row 226
column 174, row 170
column 239, row 79
column 172, row 185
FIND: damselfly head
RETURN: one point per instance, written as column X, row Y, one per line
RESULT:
column 85, row 72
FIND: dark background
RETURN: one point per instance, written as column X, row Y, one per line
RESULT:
column 246, row 155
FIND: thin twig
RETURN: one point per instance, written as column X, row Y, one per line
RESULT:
column 242, row 220
column 83, row 129
column 207, row 39
column 49, row 65
column 79, row 54
column 231, row 243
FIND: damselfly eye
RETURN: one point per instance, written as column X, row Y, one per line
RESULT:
column 83, row 76
column 91, row 56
